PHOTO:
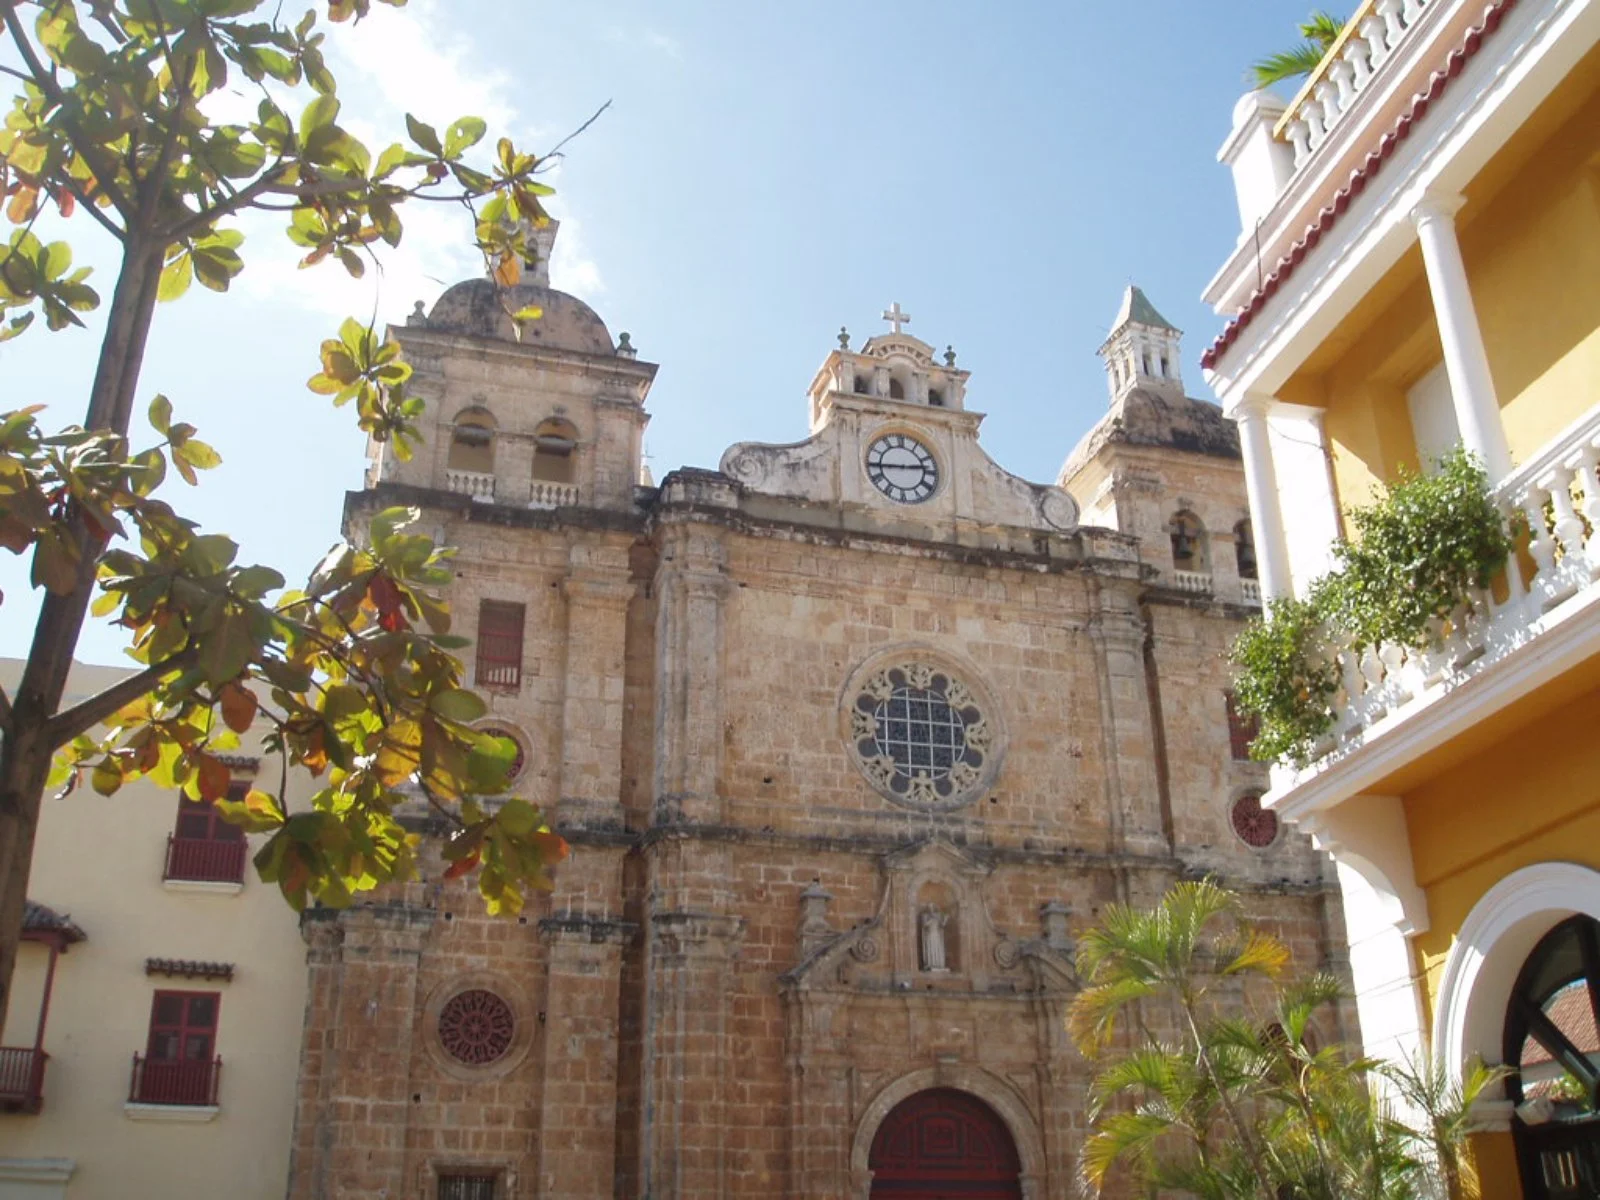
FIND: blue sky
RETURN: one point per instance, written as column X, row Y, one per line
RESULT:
column 766, row 173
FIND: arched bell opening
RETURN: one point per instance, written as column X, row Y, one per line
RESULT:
column 555, row 443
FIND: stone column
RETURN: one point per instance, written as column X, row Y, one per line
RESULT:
column 1261, row 486
column 1465, row 360
column 691, row 586
column 688, row 1054
column 578, row 1102
column 597, row 593
column 355, row 1066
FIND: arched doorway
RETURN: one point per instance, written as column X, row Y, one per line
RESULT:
column 1552, row 1041
column 942, row 1144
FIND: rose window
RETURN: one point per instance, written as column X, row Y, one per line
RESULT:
column 1256, row 826
column 920, row 735
column 476, row 1027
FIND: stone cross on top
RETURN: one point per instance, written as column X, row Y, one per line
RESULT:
column 895, row 317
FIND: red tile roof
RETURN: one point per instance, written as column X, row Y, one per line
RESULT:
column 45, row 923
column 1359, row 178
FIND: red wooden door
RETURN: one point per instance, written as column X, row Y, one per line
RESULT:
column 943, row 1144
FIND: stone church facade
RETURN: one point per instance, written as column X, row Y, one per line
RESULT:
column 850, row 738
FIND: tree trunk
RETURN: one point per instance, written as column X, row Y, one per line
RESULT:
column 26, row 753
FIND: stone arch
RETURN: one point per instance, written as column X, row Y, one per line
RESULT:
column 472, row 438
column 1007, row 1103
column 555, row 444
column 1494, row 941
column 1191, row 550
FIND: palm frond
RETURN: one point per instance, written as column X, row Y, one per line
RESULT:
column 1320, row 31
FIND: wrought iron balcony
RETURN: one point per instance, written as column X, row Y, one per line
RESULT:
column 205, row 860
column 189, row 1083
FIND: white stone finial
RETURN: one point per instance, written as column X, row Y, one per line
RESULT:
column 895, row 317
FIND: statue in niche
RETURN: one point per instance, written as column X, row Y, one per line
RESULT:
column 930, row 924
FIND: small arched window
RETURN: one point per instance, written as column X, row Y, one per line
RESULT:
column 1244, row 549
column 1189, row 551
column 935, row 398
column 472, row 442
column 554, row 443
column 897, row 390
column 861, row 387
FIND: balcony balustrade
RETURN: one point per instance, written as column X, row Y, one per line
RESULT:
column 205, row 860
column 1250, row 591
column 552, row 495
column 1198, row 582
column 190, row 1083
column 477, row 484
column 22, row 1078
column 1370, row 37
column 1555, row 496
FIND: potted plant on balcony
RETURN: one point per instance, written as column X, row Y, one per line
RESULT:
column 1286, row 677
column 1320, row 31
column 1424, row 551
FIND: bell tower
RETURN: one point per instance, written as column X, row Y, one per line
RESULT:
column 1142, row 350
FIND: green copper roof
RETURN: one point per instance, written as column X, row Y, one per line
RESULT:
column 1136, row 307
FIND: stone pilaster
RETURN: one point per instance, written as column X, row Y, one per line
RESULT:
column 578, row 1118
column 691, row 589
column 1132, row 791
column 687, row 1054
column 597, row 592
column 352, row 1108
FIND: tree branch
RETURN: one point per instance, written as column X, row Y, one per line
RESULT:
column 5, row 711
column 85, row 715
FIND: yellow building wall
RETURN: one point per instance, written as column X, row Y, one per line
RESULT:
column 1532, row 795
column 100, row 859
column 1530, row 236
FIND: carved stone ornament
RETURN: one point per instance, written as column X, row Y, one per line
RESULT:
column 922, row 736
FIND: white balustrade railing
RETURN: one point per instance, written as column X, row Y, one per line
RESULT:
column 1250, row 591
column 1369, row 38
column 1555, row 496
column 552, row 495
column 1192, row 581
column 477, row 484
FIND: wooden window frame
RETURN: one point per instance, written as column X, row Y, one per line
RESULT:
column 1242, row 730
column 499, row 651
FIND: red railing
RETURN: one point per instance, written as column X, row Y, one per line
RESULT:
column 191, row 1082
column 500, row 660
column 21, row 1078
column 204, row 860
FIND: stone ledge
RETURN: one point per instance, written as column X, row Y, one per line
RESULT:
column 37, row 1170
column 203, row 887
column 192, row 1113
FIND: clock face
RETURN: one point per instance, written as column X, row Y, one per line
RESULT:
column 902, row 468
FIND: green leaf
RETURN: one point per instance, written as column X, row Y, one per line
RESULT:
column 318, row 115
column 424, row 135
column 463, row 135
column 176, row 277
column 161, row 414
column 458, row 705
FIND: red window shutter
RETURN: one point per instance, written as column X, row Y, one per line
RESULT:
column 183, row 1026
column 205, row 847
column 500, row 643
column 1242, row 730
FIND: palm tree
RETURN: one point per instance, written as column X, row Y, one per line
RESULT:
column 1320, row 32
column 1194, row 1095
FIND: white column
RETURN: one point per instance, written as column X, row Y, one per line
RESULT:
column 1465, row 360
column 1261, row 486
